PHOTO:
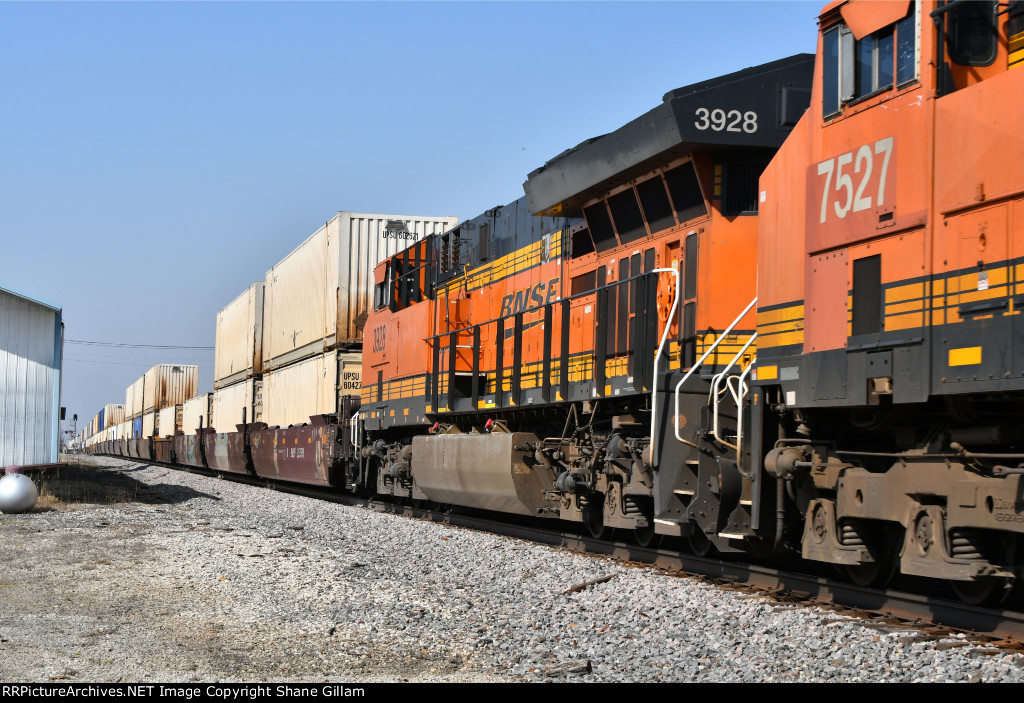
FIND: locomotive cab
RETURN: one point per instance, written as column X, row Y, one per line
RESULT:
column 889, row 359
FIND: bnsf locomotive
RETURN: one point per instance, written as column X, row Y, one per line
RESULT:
column 527, row 360
column 778, row 313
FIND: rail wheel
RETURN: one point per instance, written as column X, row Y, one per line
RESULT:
column 699, row 542
column 991, row 591
column 594, row 521
column 874, row 575
column 646, row 536
column 884, row 544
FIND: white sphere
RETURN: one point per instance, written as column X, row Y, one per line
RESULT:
column 18, row 493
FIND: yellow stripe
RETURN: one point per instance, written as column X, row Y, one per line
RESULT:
column 767, row 373
column 908, row 292
column 792, row 313
column 510, row 264
column 965, row 357
column 908, row 321
column 781, row 340
column 778, row 327
column 899, row 308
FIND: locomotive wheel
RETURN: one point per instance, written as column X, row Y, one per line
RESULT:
column 595, row 524
column 885, row 548
column 646, row 536
column 990, row 591
column 699, row 542
column 873, row 575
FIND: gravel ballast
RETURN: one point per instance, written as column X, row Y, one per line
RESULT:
column 179, row 577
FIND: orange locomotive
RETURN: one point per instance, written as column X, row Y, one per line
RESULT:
column 514, row 363
column 891, row 278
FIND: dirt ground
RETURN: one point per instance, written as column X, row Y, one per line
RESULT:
column 113, row 577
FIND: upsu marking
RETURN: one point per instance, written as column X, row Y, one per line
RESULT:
column 399, row 234
column 528, row 298
column 351, row 380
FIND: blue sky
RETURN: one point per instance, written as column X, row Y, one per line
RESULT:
column 157, row 158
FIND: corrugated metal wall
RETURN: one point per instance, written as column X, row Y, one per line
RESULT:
column 30, row 363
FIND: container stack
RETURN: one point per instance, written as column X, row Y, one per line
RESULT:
column 163, row 386
column 288, row 347
column 238, row 362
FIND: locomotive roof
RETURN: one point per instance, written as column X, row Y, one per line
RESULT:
column 777, row 93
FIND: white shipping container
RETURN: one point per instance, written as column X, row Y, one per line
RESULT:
column 148, row 424
column 238, row 349
column 229, row 403
column 196, row 411
column 169, row 384
column 311, row 387
column 168, row 420
column 316, row 297
column 124, row 430
column 133, row 398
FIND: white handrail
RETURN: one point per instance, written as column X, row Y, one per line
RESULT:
column 739, row 417
column 701, row 360
column 736, row 395
column 657, row 357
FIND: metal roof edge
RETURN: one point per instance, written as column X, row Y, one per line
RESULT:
column 37, row 301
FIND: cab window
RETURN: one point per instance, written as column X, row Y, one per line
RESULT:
column 859, row 68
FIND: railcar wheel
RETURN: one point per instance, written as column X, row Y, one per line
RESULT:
column 991, row 591
column 874, row 575
column 884, row 544
column 646, row 536
column 594, row 521
column 699, row 542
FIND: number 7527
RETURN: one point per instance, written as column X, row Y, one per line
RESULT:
column 854, row 201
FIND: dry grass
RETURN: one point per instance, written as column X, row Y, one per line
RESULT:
column 72, row 486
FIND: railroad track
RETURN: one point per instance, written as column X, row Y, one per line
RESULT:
column 927, row 615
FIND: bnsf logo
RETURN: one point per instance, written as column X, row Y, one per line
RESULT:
column 528, row 298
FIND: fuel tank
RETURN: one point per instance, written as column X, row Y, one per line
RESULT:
column 488, row 471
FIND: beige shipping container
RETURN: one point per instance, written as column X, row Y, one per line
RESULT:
column 124, row 430
column 169, row 384
column 311, row 387
column 168, row 420
column 113, row 415
column 133, row 399
column 238, row 348
column 149, row 424
column 194, row 411
column 230, row 401
column 316, row 299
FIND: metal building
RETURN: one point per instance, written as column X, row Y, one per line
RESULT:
column 31, row 355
